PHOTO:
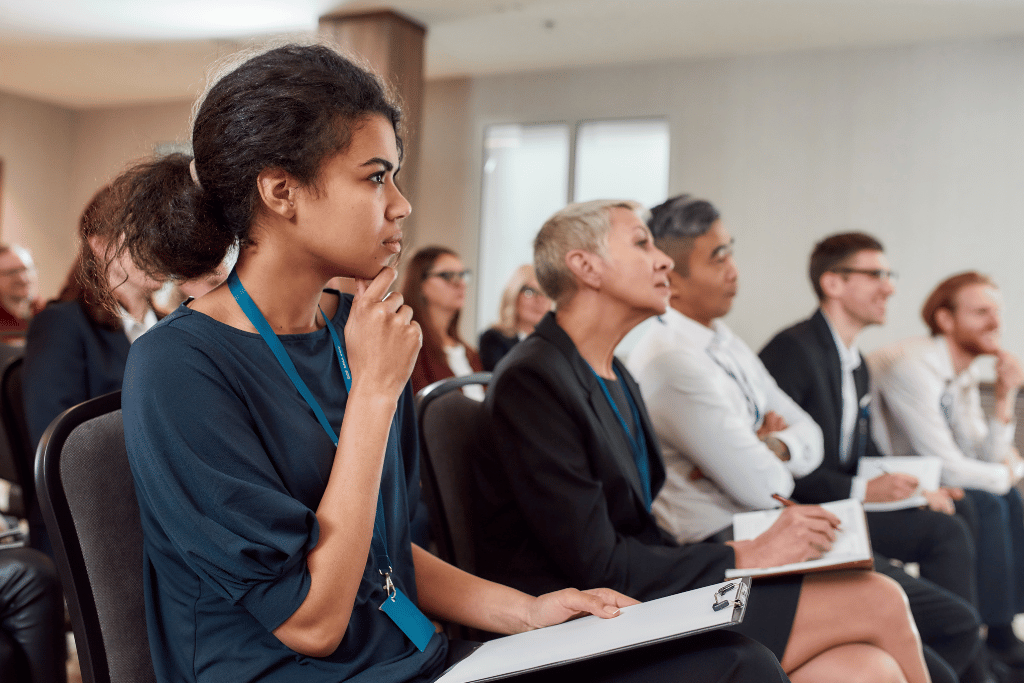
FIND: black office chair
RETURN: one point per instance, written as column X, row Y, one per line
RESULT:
column 448, row 421
column 88, row 500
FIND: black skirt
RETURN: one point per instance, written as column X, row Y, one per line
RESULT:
column 771, row 609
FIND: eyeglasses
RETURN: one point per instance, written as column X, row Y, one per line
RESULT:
column 530, row 292
column 878, row 274
column 451, row 276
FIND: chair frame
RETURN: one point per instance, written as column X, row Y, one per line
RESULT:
column 428, row 478
column 71, row 565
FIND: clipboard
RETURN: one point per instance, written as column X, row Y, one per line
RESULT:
column 675, row 616
column 852, row 549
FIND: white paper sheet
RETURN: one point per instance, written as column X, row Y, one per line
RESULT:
column 927, row 469
column 851, row 544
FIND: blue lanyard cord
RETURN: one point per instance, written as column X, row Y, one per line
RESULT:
column 252, row 312
column 639, row 445
column 744, row 386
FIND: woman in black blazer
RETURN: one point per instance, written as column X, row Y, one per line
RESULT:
column 571, row 465
column 523, row 304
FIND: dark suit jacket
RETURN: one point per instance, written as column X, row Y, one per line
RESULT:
column 493, row 346
column 560, row 502
column 805, row 363
column 68, row 359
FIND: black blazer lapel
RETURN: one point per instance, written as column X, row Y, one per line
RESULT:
column 833, row 366
column 618, row 446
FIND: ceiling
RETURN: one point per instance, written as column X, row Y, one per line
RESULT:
column 94, row 53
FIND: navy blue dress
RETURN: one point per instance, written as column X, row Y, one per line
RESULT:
column 230, row 465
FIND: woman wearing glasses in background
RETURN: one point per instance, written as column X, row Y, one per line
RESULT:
column 523, row 304
column 435, row 289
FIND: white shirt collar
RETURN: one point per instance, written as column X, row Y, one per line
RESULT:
column 133, row 328
column 849, row 356
column 944, row 364
column 701, row 336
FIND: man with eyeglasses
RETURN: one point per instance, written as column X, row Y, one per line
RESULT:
column 18, row 301
column 928, row 391
column 730, row 436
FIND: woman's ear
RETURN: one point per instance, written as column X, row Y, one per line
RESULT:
column 277, row 191
column 585, row 266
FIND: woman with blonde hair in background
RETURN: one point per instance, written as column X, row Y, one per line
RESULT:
column 523, row 304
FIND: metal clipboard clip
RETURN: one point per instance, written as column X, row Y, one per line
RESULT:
column 721, row 601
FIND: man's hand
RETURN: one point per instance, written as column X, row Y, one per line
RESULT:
column 940, row 501
column 772, row 423
column 1009, row 379
column 1015, row 464
column 802, row 532
column 890, row 487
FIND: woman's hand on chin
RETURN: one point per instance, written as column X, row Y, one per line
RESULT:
column 381, row 338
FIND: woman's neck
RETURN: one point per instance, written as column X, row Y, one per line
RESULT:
column 596, row 328
column 287, row 293
column 441, row 319
column 133, row 300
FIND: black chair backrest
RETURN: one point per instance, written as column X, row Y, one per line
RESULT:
column 88, row 499
column 448, row 423
column 19, row 450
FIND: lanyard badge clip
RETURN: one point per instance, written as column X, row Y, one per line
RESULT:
column 389, row 586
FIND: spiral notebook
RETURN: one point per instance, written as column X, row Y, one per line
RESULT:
column 675, row 616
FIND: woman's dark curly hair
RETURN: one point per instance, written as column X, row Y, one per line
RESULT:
column 289, row 108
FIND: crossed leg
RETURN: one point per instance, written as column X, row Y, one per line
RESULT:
column 853, row 626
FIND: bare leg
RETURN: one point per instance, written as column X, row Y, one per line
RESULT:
column 854, row 663
column 841, row 608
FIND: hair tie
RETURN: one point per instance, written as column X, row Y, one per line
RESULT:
column 192, row 172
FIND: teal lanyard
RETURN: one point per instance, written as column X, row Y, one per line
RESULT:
column 252, row 312
column 637, row 443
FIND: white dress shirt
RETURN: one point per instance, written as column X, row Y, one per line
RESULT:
column 849, row 360
column 458, row 361
column 707, row 393
column 931, row 411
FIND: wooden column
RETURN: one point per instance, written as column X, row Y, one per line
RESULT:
column 393, row 46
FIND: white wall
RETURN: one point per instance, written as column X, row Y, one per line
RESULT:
column 35, row 143
column 922, row 146
column 54, row 161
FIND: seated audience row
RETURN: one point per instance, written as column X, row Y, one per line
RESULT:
column 264, row 556
column 570, row 466
column 262, row 565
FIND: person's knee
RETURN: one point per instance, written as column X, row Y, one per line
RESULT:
column 27, row 575
column 853, row 663
column 754, row 663
column 883, row 590
column 877, row 666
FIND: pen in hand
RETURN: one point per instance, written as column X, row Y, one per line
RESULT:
column 786, row 502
